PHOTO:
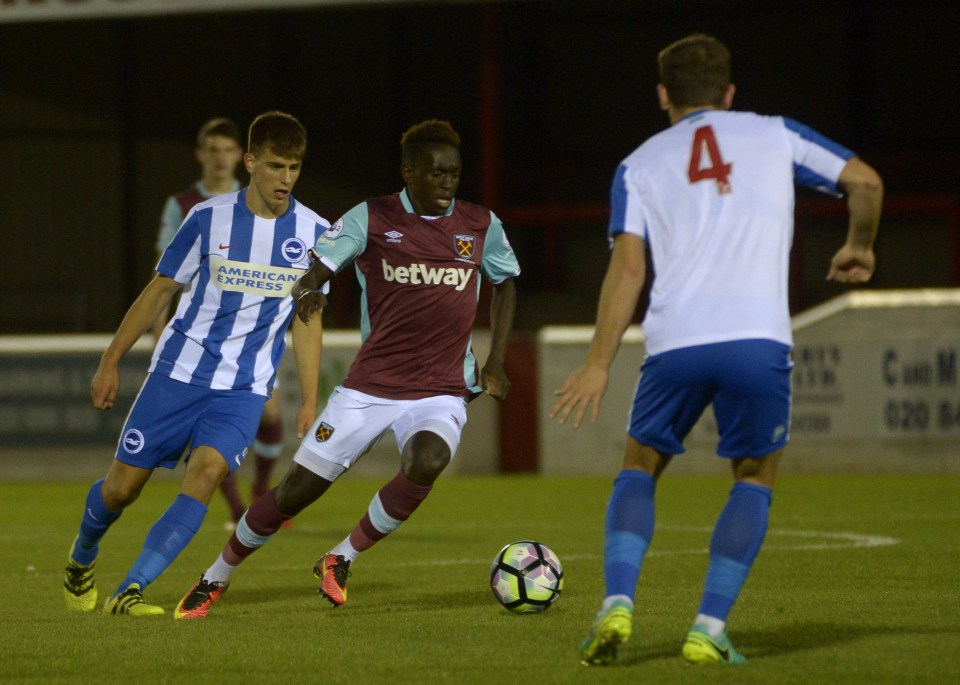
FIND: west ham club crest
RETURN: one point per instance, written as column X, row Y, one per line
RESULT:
column 324, row 431
column 464, row 244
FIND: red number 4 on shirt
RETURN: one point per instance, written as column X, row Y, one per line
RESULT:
column 705, row 141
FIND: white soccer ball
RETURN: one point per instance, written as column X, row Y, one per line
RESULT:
column 526, row 577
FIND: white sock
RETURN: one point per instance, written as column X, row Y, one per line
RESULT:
column 609, row 601
column 220, row 572
column 714, row 626
column 345, row 549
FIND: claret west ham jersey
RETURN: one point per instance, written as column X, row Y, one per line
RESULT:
column 421, row 280
column 713, row 197
column 177, row 207
column 237, row 270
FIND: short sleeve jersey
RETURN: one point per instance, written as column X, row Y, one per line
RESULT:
column 420, row 285
column 713, row 197
column 176, row 208
column 237, row 270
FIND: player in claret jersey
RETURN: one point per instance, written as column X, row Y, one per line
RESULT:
column 236, row 257
column 419, row 255
column 712, row 198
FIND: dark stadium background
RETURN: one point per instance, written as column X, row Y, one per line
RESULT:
column 97, row 119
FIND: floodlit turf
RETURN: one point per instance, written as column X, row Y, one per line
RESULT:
column 857, row 583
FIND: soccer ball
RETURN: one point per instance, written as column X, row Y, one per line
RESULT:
column 526, row 577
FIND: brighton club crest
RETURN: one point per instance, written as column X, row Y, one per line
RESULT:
column 464, row 244
column 324, row 431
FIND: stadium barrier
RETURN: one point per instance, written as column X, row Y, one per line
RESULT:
column 48, row 428
column 875, row 380
column 876, row 389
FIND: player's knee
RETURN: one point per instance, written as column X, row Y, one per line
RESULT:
column 425, row 458
column 270, row 431
column 645, row 458
column 119, row 494
column 425, row 473
column 122, row 485
column 206, row 469
column 760, row 471
column 299, row 489
column 272, row 413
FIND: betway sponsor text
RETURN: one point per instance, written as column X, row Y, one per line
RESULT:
column 421, row 274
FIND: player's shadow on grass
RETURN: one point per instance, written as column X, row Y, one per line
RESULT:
column 274, row 594
column 786, row 639
column 378, row 597
column 427, row 601
column 801, row 636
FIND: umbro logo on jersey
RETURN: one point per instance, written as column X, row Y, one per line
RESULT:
column 421, row 274
column 393, row 236
column 324, row 432
column 225, row 247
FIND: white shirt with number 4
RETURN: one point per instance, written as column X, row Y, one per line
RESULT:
column 713, row 197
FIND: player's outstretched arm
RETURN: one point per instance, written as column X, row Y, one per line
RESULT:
column 307, row 350
column 855, row 261
column 503, row 307
column 585, row 387
column 154, row 299
column 306, row 291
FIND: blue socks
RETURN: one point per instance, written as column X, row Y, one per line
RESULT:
column 628, row 531
column 734, row 546
column 166, row 539
column 97, row 519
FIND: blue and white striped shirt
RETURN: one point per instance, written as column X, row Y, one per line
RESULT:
column 237, row 270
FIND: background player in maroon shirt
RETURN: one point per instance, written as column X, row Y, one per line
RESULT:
column 418, row 255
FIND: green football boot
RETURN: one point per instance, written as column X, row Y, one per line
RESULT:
column 130, row 603
column 609, row 632
column 79, row 589
column 700, row 648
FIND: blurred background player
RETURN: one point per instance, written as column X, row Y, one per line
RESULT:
column 419, row 255
column 219, row 151
column 712, row 198
column 236, row 256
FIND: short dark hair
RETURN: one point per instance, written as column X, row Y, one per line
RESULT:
column 424, row 134
column 695, row 71
column 277, row 131
column 219, row 126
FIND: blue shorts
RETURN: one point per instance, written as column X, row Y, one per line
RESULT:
column 168, row 414
column 748, row 382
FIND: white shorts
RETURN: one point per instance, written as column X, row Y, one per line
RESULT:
column 353, row 422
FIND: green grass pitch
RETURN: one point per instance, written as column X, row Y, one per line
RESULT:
column 858, row 582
